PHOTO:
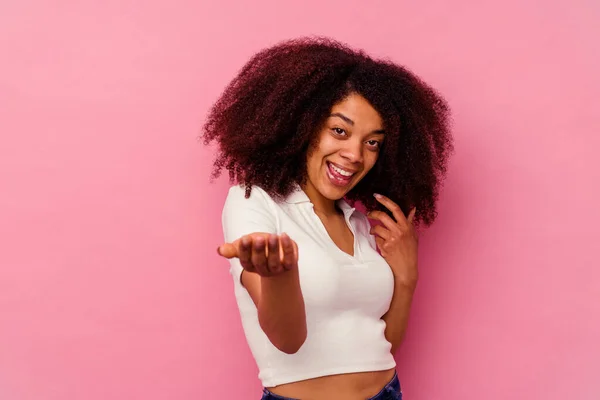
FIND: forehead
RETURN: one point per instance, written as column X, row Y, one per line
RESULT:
column 359, row 110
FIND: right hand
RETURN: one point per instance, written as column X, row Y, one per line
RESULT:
column 263, row 253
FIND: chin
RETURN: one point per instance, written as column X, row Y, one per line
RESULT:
column 333, row 192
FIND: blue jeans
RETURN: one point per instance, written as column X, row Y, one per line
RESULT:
column 391, row 391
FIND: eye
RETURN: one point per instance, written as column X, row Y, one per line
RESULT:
column 374, row 143
column 339, row 131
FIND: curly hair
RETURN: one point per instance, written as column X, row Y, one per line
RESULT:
column 266, row 121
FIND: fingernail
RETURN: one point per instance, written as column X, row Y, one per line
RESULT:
column 377, row 195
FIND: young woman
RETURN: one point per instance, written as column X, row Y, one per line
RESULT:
column 308, row 129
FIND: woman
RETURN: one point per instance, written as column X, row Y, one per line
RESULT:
column 307, row 129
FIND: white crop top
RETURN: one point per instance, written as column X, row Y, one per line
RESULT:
column 345, row 296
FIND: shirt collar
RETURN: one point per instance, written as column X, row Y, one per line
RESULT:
column 298, row 196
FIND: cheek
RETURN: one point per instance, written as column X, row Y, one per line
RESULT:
column 327, row 145
column 313, row 163
column 370, row 161
column 323, row 149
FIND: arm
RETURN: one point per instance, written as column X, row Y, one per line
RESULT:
column 270, row 276
column 396, row 319
column 265, row 264
column 280, row 308
column 398, row 243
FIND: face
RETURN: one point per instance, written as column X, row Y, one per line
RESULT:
column 347, row 148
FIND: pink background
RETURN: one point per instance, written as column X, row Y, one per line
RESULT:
column 110, row 287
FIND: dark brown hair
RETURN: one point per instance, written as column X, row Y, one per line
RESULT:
column 267, row 118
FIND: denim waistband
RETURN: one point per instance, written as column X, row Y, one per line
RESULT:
column 391, row 391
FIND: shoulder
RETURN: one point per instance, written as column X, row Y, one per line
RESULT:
column 236, row 201
column 237, row 195
column 243, row 215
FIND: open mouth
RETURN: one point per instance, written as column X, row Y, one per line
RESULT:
column 338, row 175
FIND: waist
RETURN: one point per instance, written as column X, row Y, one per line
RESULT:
column 347, row 386
column 325, row 353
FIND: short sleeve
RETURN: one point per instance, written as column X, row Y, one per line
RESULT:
column 242, row 216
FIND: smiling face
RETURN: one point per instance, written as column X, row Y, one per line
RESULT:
column 346, row 149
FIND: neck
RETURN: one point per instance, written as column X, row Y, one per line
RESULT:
column 322, row 205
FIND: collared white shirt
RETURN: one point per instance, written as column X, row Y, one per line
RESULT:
column 345, row 295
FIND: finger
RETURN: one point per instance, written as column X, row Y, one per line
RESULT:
column 290, row 252
column 393, row 207
column 245, row 253
column 385, row 219
column 381, row 231
column 380, row 243
column 227, row 250
column 259, row 259
column 273, row 258
column 411, row 215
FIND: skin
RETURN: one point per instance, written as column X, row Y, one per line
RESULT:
column 350, row 138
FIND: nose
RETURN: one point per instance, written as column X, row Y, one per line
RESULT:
column 352, row 151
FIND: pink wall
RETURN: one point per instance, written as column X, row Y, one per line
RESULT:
column 110, row 287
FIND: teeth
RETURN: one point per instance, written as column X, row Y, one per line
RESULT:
column 341, row 171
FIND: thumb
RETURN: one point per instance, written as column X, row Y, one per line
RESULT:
column 227, row 250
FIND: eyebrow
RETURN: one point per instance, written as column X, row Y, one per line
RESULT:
column 349, row 121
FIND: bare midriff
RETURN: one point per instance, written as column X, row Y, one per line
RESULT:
column 352, row 386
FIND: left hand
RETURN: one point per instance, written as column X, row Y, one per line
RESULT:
column 398, row 241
